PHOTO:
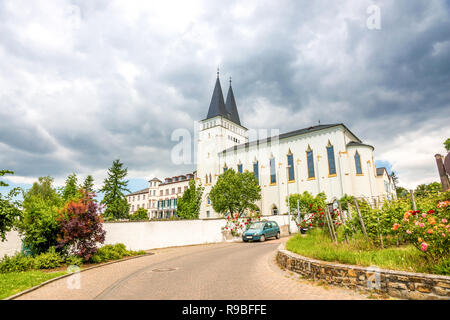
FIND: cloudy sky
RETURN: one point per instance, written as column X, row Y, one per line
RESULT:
column 85, row 82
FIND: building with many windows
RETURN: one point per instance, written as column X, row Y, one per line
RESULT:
column 325, row 158
column 160, row 198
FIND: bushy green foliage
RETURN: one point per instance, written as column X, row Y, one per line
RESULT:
column 235, row 193
column 447, row 144
column 307, row 202
column 70, row 190
column 9, row 208
column 112, row 252
column 16, row 263
column 425, row 190
column 38, row 223
column 188, row 206
column 74, row 261
column 48, row 260
column 140, row 215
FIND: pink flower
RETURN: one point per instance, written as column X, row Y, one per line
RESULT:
column 421, row 225
column 408, row 232
column 430, row 231
column 416, row 223
column 424, row 215
column 444, row 220
column 443, row 234
column 424, row 246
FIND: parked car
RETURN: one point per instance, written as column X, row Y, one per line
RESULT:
column 261, row 230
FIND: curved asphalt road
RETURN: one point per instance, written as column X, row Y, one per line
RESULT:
column 229, row 271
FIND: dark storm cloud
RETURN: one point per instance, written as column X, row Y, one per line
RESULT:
column 85, row 82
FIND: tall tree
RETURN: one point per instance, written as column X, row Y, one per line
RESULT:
column 88, row 184
column 424, row 190
column 235, row 193
column 70, row 189
column 115, row 185
column 9, row 208
column 188, row 206
column 394, row 178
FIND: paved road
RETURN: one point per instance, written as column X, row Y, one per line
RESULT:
column 216, row 271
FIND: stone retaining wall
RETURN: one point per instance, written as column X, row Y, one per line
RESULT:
column 405, row 285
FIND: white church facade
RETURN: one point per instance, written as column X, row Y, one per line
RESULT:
column 325, row 158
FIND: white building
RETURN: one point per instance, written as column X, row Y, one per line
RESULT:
column 325, row 158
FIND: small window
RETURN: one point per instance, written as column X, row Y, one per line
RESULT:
column 290, row 161
column 256, row 171
column 240, row 168
column 331, row 160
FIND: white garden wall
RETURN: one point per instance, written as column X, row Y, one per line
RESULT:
column 156, row 234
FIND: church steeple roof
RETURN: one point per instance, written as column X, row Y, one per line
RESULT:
column 217, row 105
column 231, row 106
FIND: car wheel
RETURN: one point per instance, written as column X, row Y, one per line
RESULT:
column 278, row 235
column 262, row 238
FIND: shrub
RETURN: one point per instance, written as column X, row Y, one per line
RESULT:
column 74, row 261
column 81, row 226
column 16, row 263
column 140, row 215
column 112, row 252
column 48, row 260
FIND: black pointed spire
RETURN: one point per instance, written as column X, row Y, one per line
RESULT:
column 217, row 105
column 231, row 106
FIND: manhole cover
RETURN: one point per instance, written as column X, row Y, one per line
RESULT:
column 163, row 269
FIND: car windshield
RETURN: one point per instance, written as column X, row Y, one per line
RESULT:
column 257, row 225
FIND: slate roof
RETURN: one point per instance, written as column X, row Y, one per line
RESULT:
column 231, row 107
column 356, row 144
column 138, row 192
column 290, row 134
column 380, row 171
column 217, row 106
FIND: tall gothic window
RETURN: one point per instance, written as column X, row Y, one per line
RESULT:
column 210, row 178
column 290, row 162
column 240, row 168
column 256, row 170
column 358, row 163
column 273, row 175
column 331, row 160
column 225, row 168
column 310, row 161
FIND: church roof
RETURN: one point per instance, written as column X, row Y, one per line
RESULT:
column 217, row 105
column 155, row 179
column 380, row 171
column 357, row 144
column 231, row 107
column 290, row 134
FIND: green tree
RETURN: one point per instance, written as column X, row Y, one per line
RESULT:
column 38, row 224
column 88, row 184
column 140, row 215
column 307, row 203
column 188, row 206
column 70, row 190
column 401, row 192
column 447, row 144
column 424, row 190
column 394, row 178
column 115, row 185
column 235, row 192
column 9, row 209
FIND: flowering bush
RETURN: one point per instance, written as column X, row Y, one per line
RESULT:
column 428, row 231
column 237, row 225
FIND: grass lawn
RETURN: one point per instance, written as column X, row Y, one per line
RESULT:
column 15, row 282
column 317, row 245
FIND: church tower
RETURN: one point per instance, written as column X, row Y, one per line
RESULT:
column 220, row 130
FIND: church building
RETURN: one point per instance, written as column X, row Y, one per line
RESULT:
column 325, row 158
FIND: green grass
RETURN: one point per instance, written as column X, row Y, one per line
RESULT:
column 317, row 245
column 15, row 282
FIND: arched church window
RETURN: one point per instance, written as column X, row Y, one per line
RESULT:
column 273, row 175
column 331, row 160
column 310, row 163
column 210, row 178
column 256, row 170
column 239, row 167
column 358, row 163
column 290, row 165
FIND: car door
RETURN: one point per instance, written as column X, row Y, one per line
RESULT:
column 271, row 229
column 266, row 230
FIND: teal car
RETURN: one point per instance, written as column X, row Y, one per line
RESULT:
column 261, row 230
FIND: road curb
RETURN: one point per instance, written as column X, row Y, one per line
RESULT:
column 69, row 274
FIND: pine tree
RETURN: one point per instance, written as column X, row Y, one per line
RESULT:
column 117, row 206
column 71, row 188
column 88, row 184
